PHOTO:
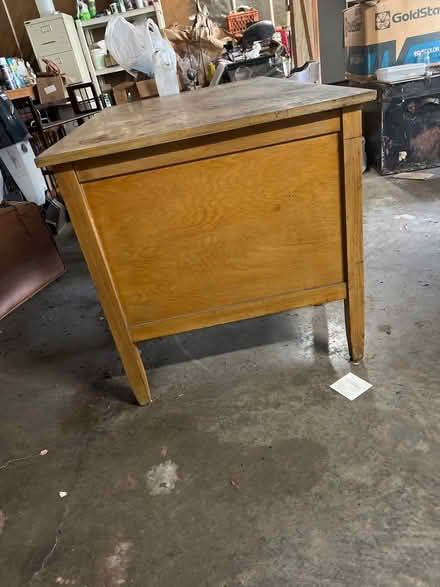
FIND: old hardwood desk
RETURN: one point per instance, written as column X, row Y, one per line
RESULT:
column 218, row 205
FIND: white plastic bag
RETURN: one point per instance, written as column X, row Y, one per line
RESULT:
column 130, row 45
column 142, row 48
column 164, row 61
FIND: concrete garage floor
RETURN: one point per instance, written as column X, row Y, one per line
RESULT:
column 269, row 478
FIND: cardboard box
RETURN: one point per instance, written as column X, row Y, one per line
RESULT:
column 383, row 33
column 147, row 88
column 134, row 91
column 125, row 92
column 51, row 89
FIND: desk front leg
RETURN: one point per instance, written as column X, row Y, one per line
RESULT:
column 88, row 237
column 354, row 250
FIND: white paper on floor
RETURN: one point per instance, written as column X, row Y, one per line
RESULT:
column 351, row 386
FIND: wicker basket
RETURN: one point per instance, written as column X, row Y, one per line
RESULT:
column 238, row 21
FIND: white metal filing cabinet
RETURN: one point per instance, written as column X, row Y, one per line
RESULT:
column 55, row 38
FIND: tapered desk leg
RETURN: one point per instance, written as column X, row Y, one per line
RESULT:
column 352, row 165
column 88, row 237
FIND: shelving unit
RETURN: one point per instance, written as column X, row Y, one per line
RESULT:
column 86, row 30
column 107, row 70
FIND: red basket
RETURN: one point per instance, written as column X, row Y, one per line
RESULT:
column 238, row 21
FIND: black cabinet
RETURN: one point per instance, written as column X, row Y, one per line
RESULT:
column 402, row 129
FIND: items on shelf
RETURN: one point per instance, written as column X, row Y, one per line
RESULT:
column 208, row 54
column 143, row 49
column 82, row 12
column 101, row 60
column 50, row 85
column 238, row 22
column 86, row 9
column 15, row 73
column 92, row 8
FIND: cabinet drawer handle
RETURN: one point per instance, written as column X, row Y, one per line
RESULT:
column 49, row 43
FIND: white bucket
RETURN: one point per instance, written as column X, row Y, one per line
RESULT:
column 20, row 162
column 45, row 7
column 98, row 58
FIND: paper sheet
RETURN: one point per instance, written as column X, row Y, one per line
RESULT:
column 351, row 386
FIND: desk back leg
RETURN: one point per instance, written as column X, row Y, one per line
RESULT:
column 352, row 166
column 85, row 229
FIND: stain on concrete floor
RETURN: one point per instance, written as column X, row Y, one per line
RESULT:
column 280, row 481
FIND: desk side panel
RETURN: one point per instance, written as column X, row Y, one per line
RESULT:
column 232, row 230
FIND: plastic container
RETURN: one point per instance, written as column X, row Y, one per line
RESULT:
column 238, row 21
column 400, row 73
column 98, row 58
column 45, row 7
column 92, row 8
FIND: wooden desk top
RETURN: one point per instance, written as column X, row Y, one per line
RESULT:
column 29, row 92
column 193, row 114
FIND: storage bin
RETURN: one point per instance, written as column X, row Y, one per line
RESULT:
column 400, row 73
column 98, row 58
column 238, row 21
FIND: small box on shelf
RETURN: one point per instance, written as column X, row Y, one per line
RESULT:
column 51, row 89
column 147, row 88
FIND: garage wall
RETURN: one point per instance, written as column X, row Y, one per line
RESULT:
column 8, row 45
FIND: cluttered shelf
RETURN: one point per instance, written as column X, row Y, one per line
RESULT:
column 108, row 70
column 103, row 20
column 207, row 52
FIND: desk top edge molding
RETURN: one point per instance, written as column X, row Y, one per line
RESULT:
column 191, row 115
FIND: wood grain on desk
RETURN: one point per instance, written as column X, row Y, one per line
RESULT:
column 236, row 223
column 219, row 205
column 29, row 92
column 194, row 114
